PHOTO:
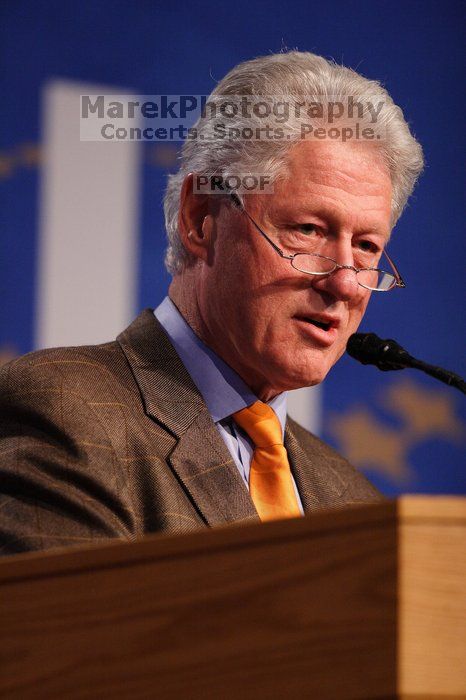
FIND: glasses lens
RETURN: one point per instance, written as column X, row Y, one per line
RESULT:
column 377, row 280
column 313, row 264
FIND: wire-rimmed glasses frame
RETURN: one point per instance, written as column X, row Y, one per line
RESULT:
column 397, row 279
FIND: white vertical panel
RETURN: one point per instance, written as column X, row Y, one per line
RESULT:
column 304, row 405
column 88, row 227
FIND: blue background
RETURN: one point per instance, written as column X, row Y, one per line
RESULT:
column 415, row 48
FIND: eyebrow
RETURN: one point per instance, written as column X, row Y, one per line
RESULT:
column 327, row 216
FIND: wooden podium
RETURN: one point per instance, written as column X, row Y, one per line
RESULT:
column 361, row 602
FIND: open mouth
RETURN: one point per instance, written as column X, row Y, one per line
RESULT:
column 315, row 322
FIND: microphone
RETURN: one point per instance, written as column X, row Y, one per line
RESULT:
column 388, row 355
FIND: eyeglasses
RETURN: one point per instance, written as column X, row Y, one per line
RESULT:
column 371, row 278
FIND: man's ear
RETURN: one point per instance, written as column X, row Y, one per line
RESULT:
column 194, row 221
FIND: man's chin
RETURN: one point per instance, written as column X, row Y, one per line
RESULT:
column 288, row 375
column 312, row 371
column 291, row 380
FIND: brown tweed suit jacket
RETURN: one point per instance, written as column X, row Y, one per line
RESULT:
column 115, row 440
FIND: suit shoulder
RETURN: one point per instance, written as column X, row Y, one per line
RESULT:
column 65, row 368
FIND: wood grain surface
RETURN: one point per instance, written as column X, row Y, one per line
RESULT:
column 432, row 597
column 292, row 609
column 361, row 602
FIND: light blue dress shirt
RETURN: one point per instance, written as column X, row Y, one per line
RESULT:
column 222, row 389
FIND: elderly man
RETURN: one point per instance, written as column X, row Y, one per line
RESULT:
column 181, row 422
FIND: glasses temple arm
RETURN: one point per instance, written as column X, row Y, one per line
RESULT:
column 239, row 204
column 399, row 280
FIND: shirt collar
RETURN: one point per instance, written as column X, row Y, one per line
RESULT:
column 222, row 389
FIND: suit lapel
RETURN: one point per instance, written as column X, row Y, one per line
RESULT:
column 318, row 483
column 208, row 472
column 200, row 459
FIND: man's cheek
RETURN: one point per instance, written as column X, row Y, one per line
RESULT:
column 364, row 304
column 340, row 353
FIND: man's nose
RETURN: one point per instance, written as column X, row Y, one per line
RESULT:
column 341, row 284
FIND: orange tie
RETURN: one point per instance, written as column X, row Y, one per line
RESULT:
column 270, row 481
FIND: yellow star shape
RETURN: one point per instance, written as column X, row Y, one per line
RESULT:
column 425, row 412
column 369, row 444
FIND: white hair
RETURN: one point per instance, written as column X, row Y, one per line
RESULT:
column 298, row 75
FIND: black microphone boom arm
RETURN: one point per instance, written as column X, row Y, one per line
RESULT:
column 387, row 355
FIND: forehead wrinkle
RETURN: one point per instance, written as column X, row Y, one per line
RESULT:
column 343, row 190
column 323, row 166
column 331, row 202
column 335, row 179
